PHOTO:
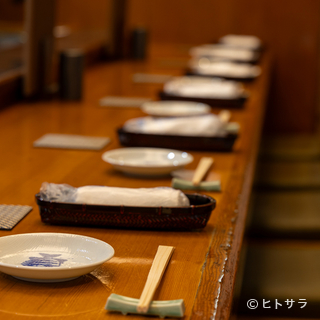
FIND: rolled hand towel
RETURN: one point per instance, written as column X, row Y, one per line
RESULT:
column 195, row 86
column 224, row 68
column 204, row 125
column 224, row 51
column 115, row 196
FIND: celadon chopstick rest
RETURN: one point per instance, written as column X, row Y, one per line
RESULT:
column 182, row 179
column 163, row 308
column 145, row 305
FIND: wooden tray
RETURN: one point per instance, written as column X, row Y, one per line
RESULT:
column 223, row 103
column 132, row 139
column 163, row 218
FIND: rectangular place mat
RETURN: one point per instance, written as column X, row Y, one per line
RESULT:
column 70, row 141
column 150, row 78
column 10, row 215
column 112, row 101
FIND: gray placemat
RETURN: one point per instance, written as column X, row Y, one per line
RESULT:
column 70, row 141
column 10, row 215
column 112, row 101
column 150, row 78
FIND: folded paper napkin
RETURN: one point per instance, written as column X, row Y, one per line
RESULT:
column 194, row 86
column 204, row 125
column 114, row 196
column 224, row 51
column 224, row 68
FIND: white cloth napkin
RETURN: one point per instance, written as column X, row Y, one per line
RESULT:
column 224, row 68
column 193, row 86
column 204, row 125
column 114, row 196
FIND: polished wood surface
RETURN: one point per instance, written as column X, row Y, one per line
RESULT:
column 204, row 264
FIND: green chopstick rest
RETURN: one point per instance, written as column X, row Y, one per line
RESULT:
column 164, row 308
column 178, row 183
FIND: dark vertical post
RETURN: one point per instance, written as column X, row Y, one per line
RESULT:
column 39, row 47
column 139, row 39
column 117, row 26
column 71, row 74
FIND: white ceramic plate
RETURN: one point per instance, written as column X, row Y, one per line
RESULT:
column 51, row 257
column 175, row 108
column 147, row 161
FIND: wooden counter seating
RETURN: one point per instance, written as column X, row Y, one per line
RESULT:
column 204, row 265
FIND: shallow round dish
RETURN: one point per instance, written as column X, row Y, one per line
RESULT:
column 51, row 257
column 175, row 108
column 147, row 161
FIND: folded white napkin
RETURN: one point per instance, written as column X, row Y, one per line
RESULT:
column 224, row 68
column 224, row 51
column 115, row 196
column 203, row 125
column 245, row 41
column 194, row 86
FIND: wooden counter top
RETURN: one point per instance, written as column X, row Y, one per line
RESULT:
column 203, row 267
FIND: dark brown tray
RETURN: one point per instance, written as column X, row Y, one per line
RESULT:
column 163, row 218
column 223, row 103
column 131, row 139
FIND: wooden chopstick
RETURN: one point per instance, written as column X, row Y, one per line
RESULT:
column 224, row 116
column 203, row 167
column 156, row 272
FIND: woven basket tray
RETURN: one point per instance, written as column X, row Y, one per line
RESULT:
column 131, row 139
column 163, row 218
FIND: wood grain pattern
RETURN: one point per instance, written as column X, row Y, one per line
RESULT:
column 204, row 265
